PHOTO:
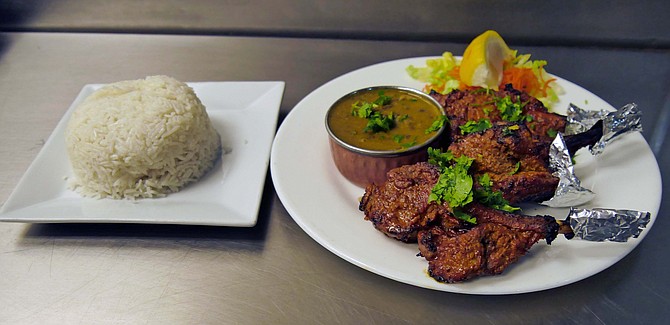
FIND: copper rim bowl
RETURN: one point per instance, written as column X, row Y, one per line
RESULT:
column 364, row 166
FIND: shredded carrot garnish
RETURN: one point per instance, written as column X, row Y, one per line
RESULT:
column 525, row 79
column 522, row 79
column 455, row 72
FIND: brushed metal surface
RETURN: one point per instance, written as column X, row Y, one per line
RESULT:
column 272, row 273
column 637, row 24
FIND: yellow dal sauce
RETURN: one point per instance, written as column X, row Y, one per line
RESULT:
column 413, row 115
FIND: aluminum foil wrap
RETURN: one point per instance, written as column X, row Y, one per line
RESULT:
column 624, row 120
column 569, row 191
column 580, row 120
column 607, row 224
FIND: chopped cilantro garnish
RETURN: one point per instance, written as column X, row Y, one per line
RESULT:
column 475, row 126
column 362, row 110
column 366, row 109
column 437, row 124
column 552, row 133
column 517, row 166
column 464, row 216
column 493, row 199
column 399, row 138
column 509, row 110
column 455, row 184
column 409, row 144
column 438, row 158
column 378, row 122
column 382, row 99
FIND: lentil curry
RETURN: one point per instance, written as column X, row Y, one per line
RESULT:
column 387, row 119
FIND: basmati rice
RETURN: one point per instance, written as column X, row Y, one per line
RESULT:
column 140, row 139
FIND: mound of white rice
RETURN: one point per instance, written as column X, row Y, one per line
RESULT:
column 140, row 139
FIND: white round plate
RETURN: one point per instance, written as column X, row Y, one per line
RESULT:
column 325, row 204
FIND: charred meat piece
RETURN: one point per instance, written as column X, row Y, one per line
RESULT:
column 547, row 226
column 487, row 249
column 455, row 250
column 515, row 160
column 498, row 240
column 476, row 104
column 399, row 207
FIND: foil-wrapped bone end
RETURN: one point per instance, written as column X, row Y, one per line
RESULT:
column 580, row 120
column 569, row 191
column 607, row 224
column 624, row 120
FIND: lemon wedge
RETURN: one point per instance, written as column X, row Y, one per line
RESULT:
column 483, row 60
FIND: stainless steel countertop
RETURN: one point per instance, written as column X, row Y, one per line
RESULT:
column 633, row 24
column 274, row 272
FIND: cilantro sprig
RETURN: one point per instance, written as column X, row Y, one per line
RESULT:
column 377, row 122
column 456, row 186
column 475, row 126
column 487, row 196
column 511, row 111
column 455, row 183
column 437, row 124
column 552, row 133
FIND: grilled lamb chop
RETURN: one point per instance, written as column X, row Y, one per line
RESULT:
column 399, row 207
column 456, row 250
column 462, row 106
column 514, row 154
column 516, row 162
column 498, row 240
column 546, row 226
column 487, row 249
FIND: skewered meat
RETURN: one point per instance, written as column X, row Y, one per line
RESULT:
column 455, row 250
column 399, row 207
column 546, row 226
column 515, row 150
column 516, row 162
column 498, row 240
column 486, row 249
column 515, row 156
column 462, row 106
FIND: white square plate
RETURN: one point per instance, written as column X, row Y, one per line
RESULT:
column 245, row 115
